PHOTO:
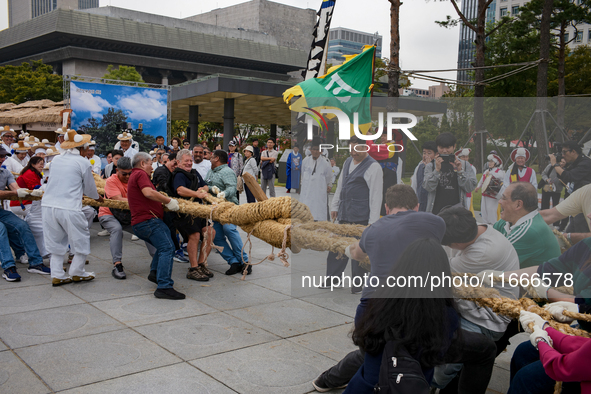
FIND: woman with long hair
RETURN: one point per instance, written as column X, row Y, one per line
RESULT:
column 422, row 320
column 29, row 178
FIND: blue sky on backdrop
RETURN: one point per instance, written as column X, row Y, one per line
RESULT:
column 141, row 105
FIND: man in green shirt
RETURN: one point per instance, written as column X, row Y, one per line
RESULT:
column 524, row 227
column 224, row 178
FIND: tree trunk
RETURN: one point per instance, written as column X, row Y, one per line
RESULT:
column 394, row 65
column 561, row 84
column 479, row 138
column 541, row 136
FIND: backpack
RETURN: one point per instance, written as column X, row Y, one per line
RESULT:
column 193, row 176
column 400, row 372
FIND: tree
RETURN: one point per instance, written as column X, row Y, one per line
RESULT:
column 123, row 73
column 30, row 81
column 478, row 26
column 178, row 128
column 394, row 63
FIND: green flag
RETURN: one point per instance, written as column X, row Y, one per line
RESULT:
column 346, row 87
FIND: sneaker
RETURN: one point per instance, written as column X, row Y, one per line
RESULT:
column 58, row 282
column 24, row 259
column 89, row 276
column 103, row 233
column 205, row 270
column 118, row 272
column 287, row 191
column 197, row 274
column 324, row 285
column 179, row 257
column 152, row 277
column 11, row 275
column 248, row 271
column 322, row 387
column 134, row 237
column 184, row 248
column 39, row 269
column 169, row 294
column 235, row 268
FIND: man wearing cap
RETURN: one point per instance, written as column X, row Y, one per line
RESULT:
column 63, row 219
column 464, row 154
column 7, row 138
column 294, row 170
column 15, row 232
column 125, row 140
column 95, row 161
column 518, row 171
column 316, row 182
column 490, row 202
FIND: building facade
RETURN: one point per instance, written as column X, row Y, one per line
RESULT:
column 343, row 41
column 20, row 11
column 291, row 26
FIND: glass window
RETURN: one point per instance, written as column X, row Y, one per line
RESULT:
column 503, row 11
column 565, row 37
column 579, row 37
column 515, row 10
column 589, row 36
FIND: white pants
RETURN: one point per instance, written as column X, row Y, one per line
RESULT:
column 467, row 202
column 488, row 209
column 35, row 221
column 89, row 213
column 60, row 227
column 18, row 211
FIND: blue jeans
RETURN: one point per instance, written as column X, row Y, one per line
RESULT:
column 231, row 253
column 15, row 232
column 528, row 375
column 155, row 232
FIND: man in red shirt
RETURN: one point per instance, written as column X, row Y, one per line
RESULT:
column 145, row 204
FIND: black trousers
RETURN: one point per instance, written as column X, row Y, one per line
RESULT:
column 389, row 178
column 475, row 351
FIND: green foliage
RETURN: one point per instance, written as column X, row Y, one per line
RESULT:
column 123, row 73
column 178, row 128
column 106, row 130
column 577, row 71
column 28, row 82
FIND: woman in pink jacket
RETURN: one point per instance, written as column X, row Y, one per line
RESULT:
column 550, row 356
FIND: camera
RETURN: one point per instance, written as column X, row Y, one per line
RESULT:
column 557, row 152
column 448, row 158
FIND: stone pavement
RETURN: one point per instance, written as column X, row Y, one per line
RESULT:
column 228, row 335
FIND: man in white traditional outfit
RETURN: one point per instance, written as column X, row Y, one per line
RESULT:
column 518, row 171
column 316, row 182
column 95, row 161
column 63, row 220
column 125, row 142
column 60, row 139
column 20, row 153
column 8, row 135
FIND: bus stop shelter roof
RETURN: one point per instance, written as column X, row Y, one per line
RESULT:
column 260, row 101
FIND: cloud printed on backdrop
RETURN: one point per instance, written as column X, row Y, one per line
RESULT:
column 98, row 109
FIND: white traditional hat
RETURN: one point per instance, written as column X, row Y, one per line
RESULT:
column 60, row 131
column 52, row 152
column 74, row 140
column 463, row 152
column 8, row 130
column 520, row 152
column 496, row 158
column 21, row 146
column 125, row 136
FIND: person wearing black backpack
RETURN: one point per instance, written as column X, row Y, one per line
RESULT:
column 406, row 331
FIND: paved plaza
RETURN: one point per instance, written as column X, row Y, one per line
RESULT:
column 227, row 336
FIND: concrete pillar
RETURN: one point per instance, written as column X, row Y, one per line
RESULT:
column 193, row 124
column 274, row 133
column 165, row 74
column 228, row 122
column 190, row 76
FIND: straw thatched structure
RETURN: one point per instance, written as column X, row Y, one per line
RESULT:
column 31, row 112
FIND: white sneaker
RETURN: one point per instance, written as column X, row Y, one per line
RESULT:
column 24, row 259
column 134, row 237
column 103, row 233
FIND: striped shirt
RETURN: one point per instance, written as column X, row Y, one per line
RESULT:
column 532, row 239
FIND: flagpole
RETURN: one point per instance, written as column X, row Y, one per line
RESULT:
column 373, row 74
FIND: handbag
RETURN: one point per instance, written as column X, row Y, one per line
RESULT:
column 240, row 180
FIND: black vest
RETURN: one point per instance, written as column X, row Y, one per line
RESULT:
column 354, row 198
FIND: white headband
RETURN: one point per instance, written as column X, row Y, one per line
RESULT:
column 39, row 150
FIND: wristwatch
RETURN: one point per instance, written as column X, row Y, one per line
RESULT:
column 540, row 339
column 556, row 165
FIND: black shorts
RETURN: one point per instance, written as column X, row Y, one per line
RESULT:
column 188, row 224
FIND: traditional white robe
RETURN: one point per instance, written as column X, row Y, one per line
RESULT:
column 314, row 186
